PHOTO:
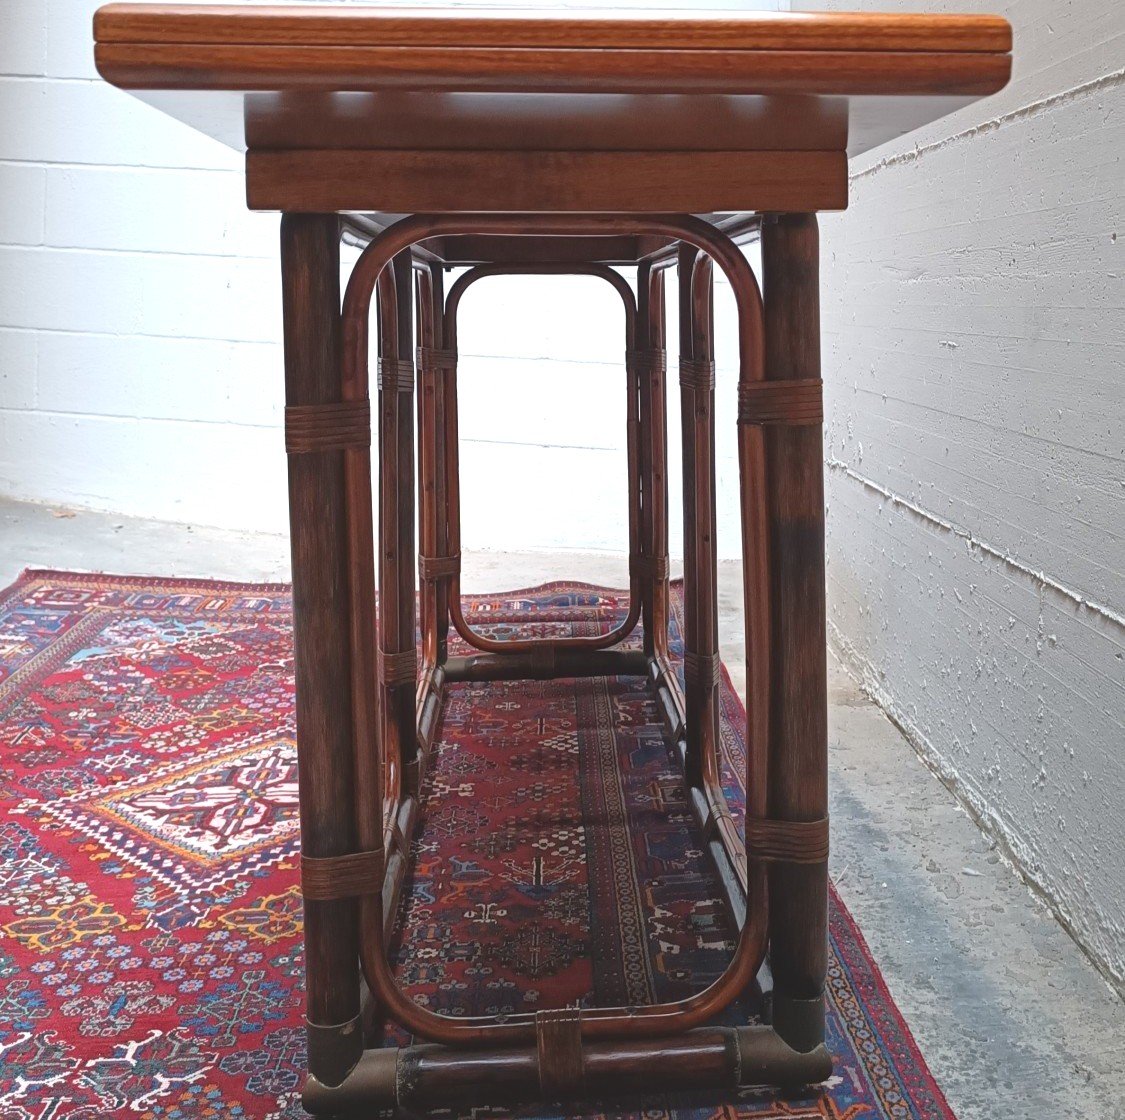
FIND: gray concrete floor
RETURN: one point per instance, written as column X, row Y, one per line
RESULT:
column 1012, row 1018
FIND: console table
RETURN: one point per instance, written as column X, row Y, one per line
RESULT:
column 618, row 145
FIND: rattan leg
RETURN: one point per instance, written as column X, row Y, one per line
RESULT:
column 653, row 458
column 310, row 271
column 701, row 618
column 652, row 362
column 697, row 405
column 436, row 566
column 397, row 649
column 799, row 735
column 434, row 563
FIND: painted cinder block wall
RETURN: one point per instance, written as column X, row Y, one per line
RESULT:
column 140, row 361
column 974, row 356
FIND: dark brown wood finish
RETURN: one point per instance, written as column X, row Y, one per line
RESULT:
column 310, row 269
column 697, row 418
column 397, row 657
column 543, row 181
column 799, row 697
column 433, row 498
column 652, row 361
column 651, row 364
column 546, row 664
column 701, row 616
column 418, row 1079
column 532, row 138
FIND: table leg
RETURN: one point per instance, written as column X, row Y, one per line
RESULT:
column 798, row 763
column 701, row 617
column 433, row 497
column 398, row 657
column 653, row 456
column 653, row 367
column 310, row 276
column 697, row 406
column 435, row 565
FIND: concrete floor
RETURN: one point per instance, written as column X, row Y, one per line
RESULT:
column 1010, row 1015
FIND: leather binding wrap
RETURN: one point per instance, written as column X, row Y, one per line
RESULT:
column 329, row 878
column 787, row 841
column 646, row 362
column 701, row 669
column 327, row 427
column 439, row 567
column 398, row 668
column 649, row 567
column 430, row 358
column 543, row 657
column 558, row 1041
column 781, row 402
column 396, row 375
column 697, row 373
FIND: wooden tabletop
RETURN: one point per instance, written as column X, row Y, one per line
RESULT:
column 209, row 47
column 356, row 25
column 368, row 79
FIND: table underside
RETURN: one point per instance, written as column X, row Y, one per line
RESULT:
column 622, row 250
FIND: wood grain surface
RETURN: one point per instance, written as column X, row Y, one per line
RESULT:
column 355, row 25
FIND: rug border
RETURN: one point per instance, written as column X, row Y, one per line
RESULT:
column 27, row 575
column 930, row 1083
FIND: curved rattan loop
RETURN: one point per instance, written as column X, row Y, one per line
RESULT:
column 613, row 1022
column 456, row 611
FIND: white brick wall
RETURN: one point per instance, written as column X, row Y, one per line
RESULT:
column 140, row 367
column 974, row 343
column 138, row 310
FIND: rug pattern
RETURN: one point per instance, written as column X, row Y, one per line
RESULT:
column 150, row 918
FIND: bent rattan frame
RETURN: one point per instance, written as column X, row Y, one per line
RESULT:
column 655, row 1019
column 387, row 762
column 453, row 504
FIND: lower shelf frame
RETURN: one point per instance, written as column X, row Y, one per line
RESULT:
column 429, row 1076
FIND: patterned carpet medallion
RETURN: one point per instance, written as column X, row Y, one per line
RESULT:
column 151, row 960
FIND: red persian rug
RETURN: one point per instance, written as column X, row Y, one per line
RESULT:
column 151, row 961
